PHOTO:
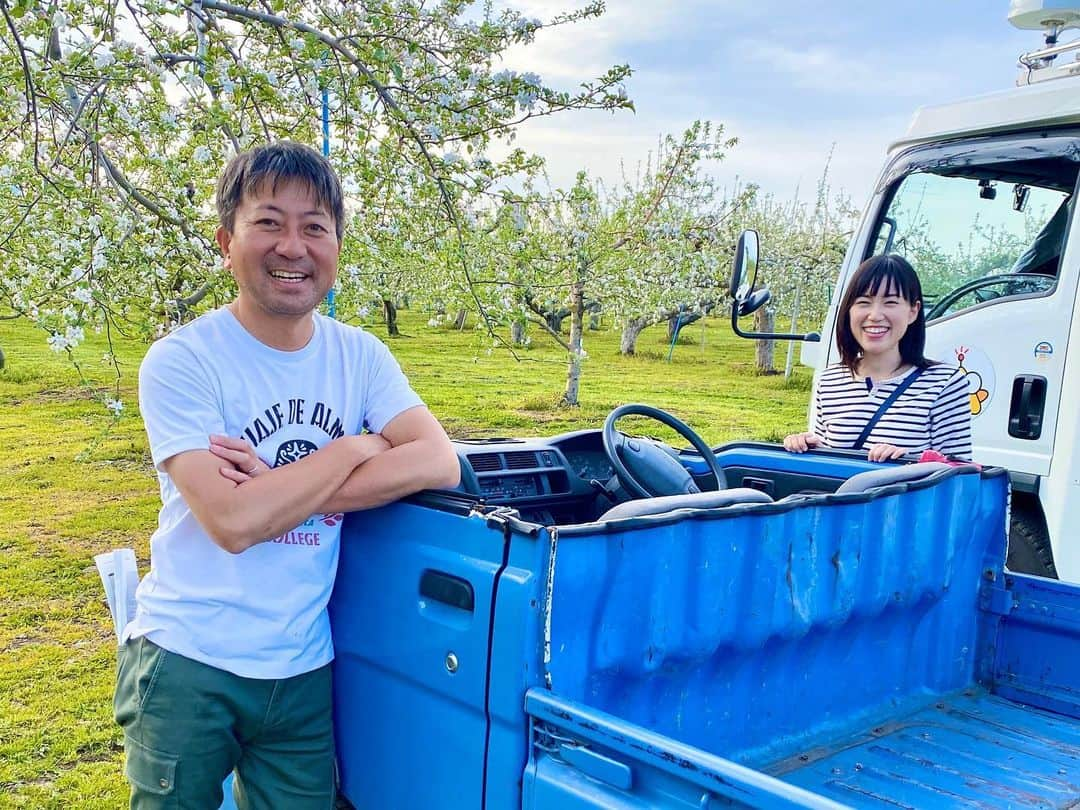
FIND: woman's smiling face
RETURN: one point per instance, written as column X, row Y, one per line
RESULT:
column 879, row 319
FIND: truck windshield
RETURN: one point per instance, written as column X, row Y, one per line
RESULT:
column 980, row 224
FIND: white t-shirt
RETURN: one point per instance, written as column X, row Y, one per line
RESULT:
column 261, row 613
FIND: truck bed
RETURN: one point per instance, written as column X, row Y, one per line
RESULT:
column 863, row 650
column 967, row 749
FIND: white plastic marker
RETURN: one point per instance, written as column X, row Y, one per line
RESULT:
column 120, row 576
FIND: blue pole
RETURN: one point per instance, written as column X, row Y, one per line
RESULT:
column 675, row 337
column 331, row 309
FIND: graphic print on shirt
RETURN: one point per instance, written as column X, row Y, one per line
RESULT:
column 294, row 450
column 294, row 412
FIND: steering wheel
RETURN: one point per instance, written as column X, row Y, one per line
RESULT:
column 645, row 468
column 978, row 287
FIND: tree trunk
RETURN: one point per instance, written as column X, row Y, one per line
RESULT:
column 765, row 321
column 555, row 317
column 459, row 319
column 631, row 330
column 789, row 362
column 594, row 315
column 517, row 333
column 390, row 316
column 679, row 321
column 577, row 320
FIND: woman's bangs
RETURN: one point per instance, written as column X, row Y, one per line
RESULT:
column 888, row 280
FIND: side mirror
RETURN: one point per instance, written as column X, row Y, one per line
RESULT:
column 746, row 299
column 745, row 264
column 754, row 301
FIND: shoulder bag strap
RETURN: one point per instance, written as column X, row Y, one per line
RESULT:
column 895, row 395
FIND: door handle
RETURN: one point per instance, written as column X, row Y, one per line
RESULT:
column 440, row 586
column 1026, row 407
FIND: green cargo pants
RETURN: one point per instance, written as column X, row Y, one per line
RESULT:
column 188, row 725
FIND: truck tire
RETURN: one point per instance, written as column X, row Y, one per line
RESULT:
column 1029, row 543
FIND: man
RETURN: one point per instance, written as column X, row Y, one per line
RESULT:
column 255, row 414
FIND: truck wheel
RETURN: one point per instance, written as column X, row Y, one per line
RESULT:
column 1029, row 543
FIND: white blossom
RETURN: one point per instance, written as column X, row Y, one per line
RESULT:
column 103, row 58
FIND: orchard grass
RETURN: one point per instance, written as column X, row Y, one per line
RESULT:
column 74, row 482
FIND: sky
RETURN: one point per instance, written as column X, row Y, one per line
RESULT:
column 793, row 80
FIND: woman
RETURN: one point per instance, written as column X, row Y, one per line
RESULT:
column 884, row 395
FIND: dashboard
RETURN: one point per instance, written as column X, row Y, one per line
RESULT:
column 559, row 480
column 542, row 478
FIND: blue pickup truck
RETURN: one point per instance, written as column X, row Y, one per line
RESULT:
column 599, row 621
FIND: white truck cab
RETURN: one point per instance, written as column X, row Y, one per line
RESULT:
column 979, row 196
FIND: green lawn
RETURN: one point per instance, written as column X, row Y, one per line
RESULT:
column 71, row 486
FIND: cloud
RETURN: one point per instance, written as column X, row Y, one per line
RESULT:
column 781, row 159
column 788, row 160
column 789, row 80
column 585, row 49
column 825, row 69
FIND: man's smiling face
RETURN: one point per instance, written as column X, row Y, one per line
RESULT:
column 283, row 251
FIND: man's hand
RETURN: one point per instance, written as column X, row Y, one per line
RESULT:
column 801, row 442
column 243, row 462
column 420, row 457
column 884, row 452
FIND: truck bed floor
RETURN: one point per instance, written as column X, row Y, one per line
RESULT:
column 967, row 749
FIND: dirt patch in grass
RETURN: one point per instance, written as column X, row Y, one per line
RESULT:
column 76, row 394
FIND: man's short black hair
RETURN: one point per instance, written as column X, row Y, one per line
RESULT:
column 277, row 162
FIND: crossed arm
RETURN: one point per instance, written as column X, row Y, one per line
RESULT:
column 239, row 510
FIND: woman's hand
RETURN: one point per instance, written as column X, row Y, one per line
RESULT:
column 244, row 464
column 884, row 452
column 801, row 442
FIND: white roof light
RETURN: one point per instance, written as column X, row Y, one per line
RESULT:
column 1037, row 15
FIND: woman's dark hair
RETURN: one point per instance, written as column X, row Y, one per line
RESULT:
column 897, row 275
column 279, row 162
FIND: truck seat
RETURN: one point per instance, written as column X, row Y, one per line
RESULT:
column 875, row 479
column 694, row 500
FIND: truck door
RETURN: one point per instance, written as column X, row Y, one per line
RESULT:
column 987, row 231
column 411, row 617
column 986, row 223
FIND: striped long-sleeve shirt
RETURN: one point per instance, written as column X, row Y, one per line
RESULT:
column 934, row 413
